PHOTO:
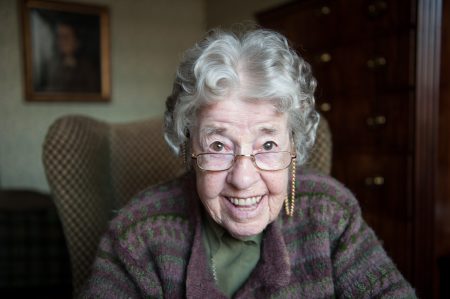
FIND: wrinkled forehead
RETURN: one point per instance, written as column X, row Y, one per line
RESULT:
column 236, row 115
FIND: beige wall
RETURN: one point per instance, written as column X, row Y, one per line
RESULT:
column 147, row 38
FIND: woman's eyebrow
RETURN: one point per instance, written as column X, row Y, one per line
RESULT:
column 211, row 130
column 269, row 130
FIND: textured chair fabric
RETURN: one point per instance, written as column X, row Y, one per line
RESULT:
column 94, row 168
column 321, row 153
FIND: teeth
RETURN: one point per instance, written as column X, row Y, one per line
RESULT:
column 245, row 201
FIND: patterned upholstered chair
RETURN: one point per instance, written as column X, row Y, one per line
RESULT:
column 94, row 168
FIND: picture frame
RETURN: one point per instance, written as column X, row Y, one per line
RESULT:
column 67, row 51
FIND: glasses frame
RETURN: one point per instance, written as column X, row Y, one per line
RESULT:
column 251, row 156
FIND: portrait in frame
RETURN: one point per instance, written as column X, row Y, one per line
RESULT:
column 67, row 55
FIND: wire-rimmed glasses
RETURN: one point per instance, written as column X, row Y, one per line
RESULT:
column 223, row 161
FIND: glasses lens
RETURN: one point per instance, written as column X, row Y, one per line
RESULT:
column 215, row 162
column 273, row 161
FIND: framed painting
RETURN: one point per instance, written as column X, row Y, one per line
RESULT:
column 67, row 55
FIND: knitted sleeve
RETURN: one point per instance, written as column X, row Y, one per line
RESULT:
column 361, row 267
column 145, row 250
column 118, row 273
column 124, row 266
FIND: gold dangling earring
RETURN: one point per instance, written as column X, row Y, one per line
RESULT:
column 184, row 154
column 290, row 205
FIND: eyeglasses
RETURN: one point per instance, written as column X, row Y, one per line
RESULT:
column 263, row 161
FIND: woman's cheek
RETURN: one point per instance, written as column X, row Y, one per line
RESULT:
column 210, row 185
column 277, row 183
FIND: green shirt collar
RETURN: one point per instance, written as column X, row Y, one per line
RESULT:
column 216, row 234
column 232, row 260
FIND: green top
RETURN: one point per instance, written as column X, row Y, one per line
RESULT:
column 231, row 260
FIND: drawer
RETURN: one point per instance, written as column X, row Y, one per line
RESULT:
column 342, row 70
column 391, row 122
column 379, row 182
column 383, row 64
column 397, row 71
column 304, row 23
column 347, row 120
column 381, row 122
column 366, row 19
column 315, row 24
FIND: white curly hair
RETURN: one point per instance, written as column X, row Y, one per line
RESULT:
column 260, row 64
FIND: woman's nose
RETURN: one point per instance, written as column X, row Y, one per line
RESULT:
column 243, row 174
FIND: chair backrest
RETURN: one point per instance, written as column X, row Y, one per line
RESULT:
column 321, row 154
column 94, row 168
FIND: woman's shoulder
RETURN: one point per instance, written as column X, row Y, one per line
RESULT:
column 162, row 196
column 151, row 232
column 316, row 184
column 325, row 200
column 165, row 202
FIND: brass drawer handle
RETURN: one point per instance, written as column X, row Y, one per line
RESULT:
column 325, row 107
column 375, row 121
column 377, row 8
column 376, row 63
column 324, row 57
column 374, row 181
column 325, row 10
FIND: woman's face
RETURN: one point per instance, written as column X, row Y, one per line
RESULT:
column 241, row 127
column 67, row 40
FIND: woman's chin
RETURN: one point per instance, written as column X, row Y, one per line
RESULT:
column 245, row 230
column 244, row 234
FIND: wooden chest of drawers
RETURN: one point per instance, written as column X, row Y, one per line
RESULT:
column 364, row 56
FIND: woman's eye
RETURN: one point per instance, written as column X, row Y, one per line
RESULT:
column 269, row 145
column 217, row 146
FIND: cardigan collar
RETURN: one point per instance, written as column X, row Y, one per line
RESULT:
column 273, row 269
column 272, row 272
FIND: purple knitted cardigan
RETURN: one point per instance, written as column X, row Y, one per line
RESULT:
column 154, row 249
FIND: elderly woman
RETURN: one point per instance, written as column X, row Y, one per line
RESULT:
column 242, row 114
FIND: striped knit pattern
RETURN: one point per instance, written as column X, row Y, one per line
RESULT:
column 154, row 249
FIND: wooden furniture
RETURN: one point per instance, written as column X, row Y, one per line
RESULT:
column 376, row 66
column 443, row 199
column 34, row 262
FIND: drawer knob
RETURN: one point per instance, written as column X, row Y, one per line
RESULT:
column 376, row 63
column 374, row 181
column 325, row 107
column 325, row 10
column 325, row 57
column 375, row 121
column 377, row 8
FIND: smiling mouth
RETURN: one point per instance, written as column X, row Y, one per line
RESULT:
column 244, row 202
